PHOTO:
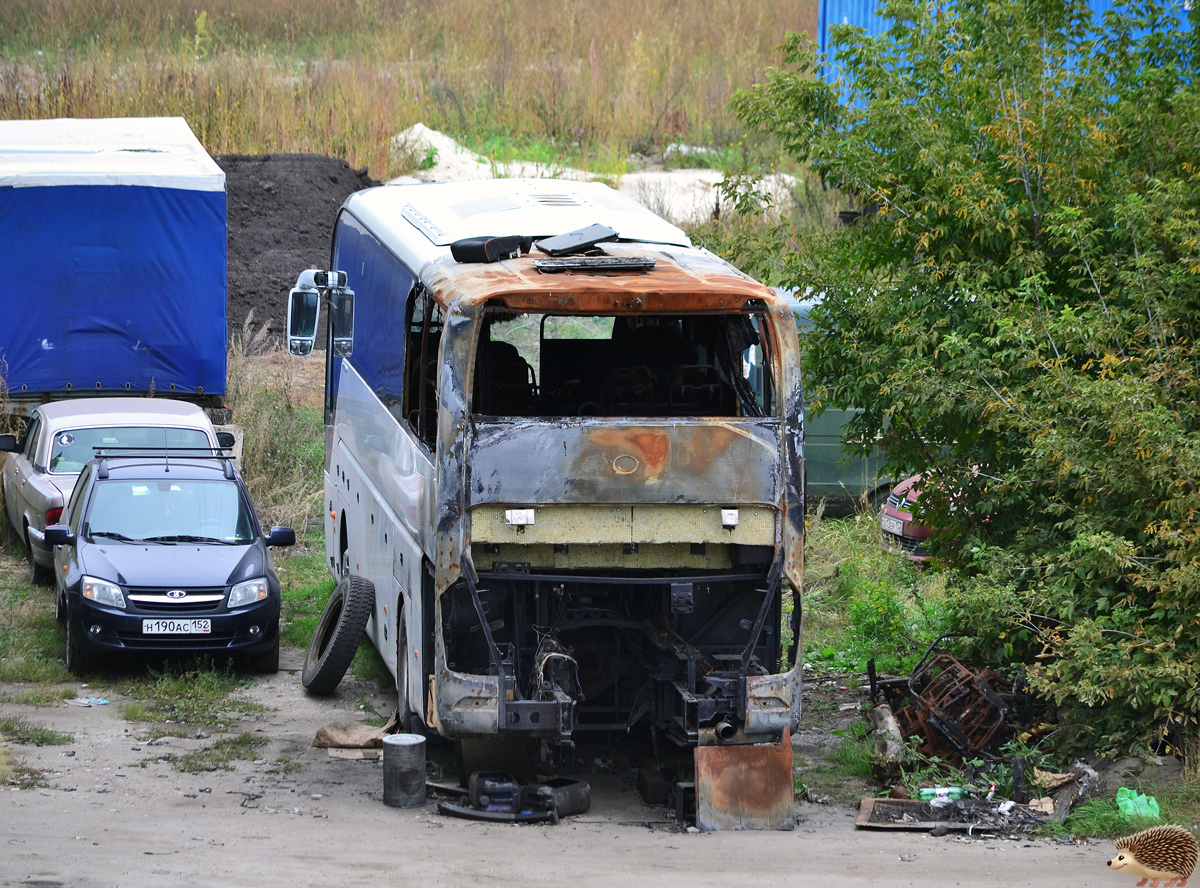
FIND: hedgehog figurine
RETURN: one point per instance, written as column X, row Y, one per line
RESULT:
column 1162, row 852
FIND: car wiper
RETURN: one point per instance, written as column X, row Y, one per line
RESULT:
column 112, row 535
column 187, row 538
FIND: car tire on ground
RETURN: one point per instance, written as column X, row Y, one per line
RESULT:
column 338, row 635
column 60, row 607
column 266, row 662
column 79, row 661
column 38, row 575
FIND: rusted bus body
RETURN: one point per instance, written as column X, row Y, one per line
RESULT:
column 594, row 542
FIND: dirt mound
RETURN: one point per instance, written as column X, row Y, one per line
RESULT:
column 281, row 213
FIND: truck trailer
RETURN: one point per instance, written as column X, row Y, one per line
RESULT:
column 114, row 249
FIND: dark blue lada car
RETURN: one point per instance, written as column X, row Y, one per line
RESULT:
column 161, row 553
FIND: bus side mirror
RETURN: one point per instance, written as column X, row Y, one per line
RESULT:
column 341, row 318
column 304, row 311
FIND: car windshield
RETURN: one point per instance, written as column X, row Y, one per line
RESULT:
column 71, row 448
column 169, row 512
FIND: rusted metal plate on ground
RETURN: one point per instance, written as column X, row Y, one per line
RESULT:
column 745, row 787
column 907, row 814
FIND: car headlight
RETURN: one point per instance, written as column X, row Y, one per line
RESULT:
column 103, row 592
column 247, row 593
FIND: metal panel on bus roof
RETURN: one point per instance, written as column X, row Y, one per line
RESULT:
column 446, row 212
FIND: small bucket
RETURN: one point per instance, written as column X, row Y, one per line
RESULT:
column 404, row 770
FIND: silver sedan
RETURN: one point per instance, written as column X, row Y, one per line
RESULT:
column 41, row 467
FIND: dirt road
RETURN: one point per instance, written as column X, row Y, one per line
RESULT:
column 115, row 814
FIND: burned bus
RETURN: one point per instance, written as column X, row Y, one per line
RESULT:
column 563, row 468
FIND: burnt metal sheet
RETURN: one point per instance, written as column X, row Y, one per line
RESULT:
column 682, row 280
column 608, row 460
column 773, row 701
column 745, row 787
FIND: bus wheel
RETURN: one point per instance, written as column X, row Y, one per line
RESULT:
column 402, row 667
column 338, row 635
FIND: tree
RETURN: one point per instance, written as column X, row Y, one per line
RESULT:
column 1016, row 315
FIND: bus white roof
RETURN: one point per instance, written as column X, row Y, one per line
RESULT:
column 445, row 212
column 157, row 152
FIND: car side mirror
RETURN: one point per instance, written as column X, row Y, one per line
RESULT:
column 226, row 440
column 281, row 536
column 59, row 535
column 9, row 444
column 304, row 311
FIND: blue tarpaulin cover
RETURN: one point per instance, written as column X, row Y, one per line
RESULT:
column 113, row 245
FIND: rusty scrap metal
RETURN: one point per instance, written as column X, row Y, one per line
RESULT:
column 745, row 787
column 955, row 710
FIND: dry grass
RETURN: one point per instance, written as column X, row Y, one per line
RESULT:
column 31, row 642
column 283, row 430
column 341, row 78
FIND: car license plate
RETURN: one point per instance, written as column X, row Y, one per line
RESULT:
column 891, row 525
column 176, row 627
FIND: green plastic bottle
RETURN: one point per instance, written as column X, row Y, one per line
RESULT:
column 929, row 793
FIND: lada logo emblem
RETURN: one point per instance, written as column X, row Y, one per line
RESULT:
column 177, row 593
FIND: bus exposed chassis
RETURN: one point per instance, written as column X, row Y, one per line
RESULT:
column 694, row 701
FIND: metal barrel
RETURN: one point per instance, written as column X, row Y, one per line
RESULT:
column 404, row 770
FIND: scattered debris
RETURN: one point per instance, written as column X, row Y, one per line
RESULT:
column 354, row 754
column 969, row 814
column 87, row 701
column 1132, row 803
column 353, row 735
column 497, row 797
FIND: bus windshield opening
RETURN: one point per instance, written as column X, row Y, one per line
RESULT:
column 546, row 365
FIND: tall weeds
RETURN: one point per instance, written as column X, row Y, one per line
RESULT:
column 283, row 442
column 335, row 78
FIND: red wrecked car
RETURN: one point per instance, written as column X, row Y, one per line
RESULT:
column 899, row 532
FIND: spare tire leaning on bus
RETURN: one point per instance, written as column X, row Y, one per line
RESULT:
column 338, row 634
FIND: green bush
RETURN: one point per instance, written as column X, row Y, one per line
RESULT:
column 1015, row 314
